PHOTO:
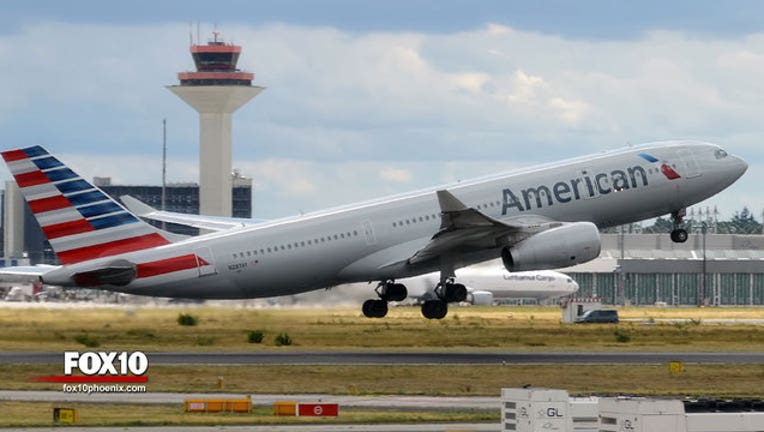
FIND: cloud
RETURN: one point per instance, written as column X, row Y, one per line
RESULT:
column 396, row 175
column 343, row 110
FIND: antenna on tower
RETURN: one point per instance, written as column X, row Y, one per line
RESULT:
column 190, row 34
column 198, row 32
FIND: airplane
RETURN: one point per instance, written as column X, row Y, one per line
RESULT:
column 489, row 282
column 536, row 218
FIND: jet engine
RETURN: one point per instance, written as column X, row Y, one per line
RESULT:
column 563, row 246
column 480, row 298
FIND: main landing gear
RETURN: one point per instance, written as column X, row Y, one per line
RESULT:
column 447, row 292
column 678, row 234
column 387, row 291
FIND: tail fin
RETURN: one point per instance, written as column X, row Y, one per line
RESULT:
column 80, row 221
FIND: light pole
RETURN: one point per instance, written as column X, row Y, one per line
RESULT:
column 622, row 275
column 702, row 296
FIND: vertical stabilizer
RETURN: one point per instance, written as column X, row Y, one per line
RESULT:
column 80, row 221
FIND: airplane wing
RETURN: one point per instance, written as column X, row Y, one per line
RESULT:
column 24, row 274
column 212, row 223
column 465, row 229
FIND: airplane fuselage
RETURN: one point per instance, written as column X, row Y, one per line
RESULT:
column 365, row 242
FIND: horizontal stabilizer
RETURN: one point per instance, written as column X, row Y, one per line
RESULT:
column 24, row 274
column 211, row 223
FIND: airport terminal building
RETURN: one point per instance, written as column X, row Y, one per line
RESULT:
column 645, row 269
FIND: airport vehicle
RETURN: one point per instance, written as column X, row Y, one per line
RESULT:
column 488, row 282
column 536, row 218
column 599, row 316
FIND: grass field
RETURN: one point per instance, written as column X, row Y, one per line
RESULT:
column 474, row 328
column 28, row 414
column 465, row 329
column 696, row 380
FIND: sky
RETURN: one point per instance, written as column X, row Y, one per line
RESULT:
column 370, row 98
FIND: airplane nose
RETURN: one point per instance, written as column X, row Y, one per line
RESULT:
column 742, row 166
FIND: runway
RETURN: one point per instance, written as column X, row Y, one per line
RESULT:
column 409, row 358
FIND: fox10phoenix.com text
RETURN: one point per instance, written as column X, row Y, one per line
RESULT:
column 102, row 372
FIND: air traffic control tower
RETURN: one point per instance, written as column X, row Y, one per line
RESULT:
column 215, row 90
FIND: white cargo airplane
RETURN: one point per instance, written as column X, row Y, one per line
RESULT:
column 537, row 218
column 486, row 283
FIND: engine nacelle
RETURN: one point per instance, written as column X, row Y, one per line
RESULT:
column 563, row 246
column 480, row 298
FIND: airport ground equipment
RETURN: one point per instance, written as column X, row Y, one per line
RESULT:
column 306, row 409
column 65, row 416
column 218, row 405
column 540, row 409
column 573, row 308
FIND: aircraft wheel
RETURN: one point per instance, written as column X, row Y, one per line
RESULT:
column 395, row 292
column 455, row 292
column 374, row 308
column 679, row 235
column 368, row 308
column 434, row 309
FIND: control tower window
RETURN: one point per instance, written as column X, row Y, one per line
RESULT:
column 216, row 61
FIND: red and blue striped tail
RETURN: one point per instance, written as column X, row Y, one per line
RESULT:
column 80, row 221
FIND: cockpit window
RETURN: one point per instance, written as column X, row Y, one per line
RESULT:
column 720, row 154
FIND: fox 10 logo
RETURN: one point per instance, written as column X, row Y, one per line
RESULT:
column 102, row 367
column 106, row 363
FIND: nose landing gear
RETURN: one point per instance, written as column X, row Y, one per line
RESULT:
column 678, row 234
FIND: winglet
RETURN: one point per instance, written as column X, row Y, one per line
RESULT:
column 449, row 203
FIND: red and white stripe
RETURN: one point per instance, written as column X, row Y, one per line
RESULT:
column 72, row 236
